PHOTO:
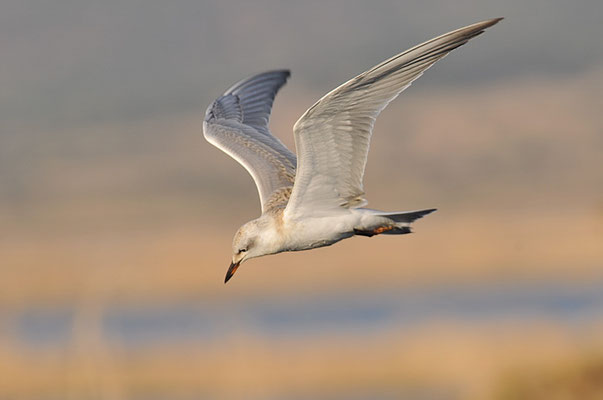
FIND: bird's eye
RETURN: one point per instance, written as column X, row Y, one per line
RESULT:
column 241, row 251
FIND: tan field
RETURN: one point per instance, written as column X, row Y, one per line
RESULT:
column 514, row 360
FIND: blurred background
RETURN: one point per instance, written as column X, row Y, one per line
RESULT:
column 116, row 217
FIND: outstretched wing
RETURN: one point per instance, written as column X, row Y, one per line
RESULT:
column 237, row 123
column 332, row 137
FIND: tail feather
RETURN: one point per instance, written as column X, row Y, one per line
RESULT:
column 398, row 230
column 408, row 216
column 390, row 223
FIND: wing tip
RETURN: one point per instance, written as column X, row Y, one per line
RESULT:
column 486, row 23
column 277, row 78
column 470, row 31
column 283, row 74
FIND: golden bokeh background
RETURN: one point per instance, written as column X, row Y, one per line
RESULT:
column 116, row 217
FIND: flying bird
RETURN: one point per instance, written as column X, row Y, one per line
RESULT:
column 317, row 199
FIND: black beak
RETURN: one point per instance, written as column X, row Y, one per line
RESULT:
column 231, row 270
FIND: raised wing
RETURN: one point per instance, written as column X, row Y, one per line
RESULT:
column 332, row 137
column 237, row 123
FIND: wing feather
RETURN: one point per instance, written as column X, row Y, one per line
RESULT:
column 237, row 123
column 332, row 137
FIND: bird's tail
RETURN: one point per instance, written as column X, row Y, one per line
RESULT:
column 392, row 223
column 406, row 216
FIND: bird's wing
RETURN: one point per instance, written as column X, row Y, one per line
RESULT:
column 332, row 137
column 237, row 123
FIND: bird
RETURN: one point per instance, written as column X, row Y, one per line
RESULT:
column 316, row 198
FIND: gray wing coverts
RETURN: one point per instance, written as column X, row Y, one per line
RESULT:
column 237, row 123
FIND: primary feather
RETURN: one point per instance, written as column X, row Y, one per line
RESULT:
column 332, row 137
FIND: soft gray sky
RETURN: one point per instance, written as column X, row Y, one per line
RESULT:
column 67, row 63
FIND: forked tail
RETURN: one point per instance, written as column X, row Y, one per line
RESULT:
column 392, row 223
column 408, row 216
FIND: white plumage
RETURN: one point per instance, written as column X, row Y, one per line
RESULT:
column 316, row 199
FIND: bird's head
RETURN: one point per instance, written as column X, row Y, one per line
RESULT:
column 246, row 244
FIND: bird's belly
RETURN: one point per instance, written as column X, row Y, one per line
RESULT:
column 319, row 232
